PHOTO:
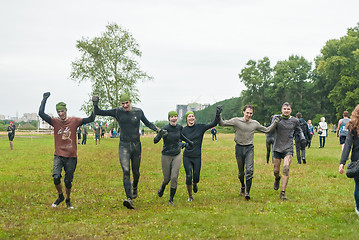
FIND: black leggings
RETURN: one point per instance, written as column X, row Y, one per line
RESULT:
column 192, row 166
column 130, row 156
column 269, row 146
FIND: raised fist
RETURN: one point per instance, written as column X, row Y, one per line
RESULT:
column 46, row 95
column 95, row 100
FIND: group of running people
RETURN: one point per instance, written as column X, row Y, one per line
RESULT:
column 175, row 137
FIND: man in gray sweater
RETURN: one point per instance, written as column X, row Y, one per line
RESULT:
column 244, row 128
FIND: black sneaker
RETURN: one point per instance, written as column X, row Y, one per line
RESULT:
column 282, row 196
column 304, row 162
column 195, row 188
column 60, row 199
column 276, row 183
column 190, row 199
column 171, row 202
column 134, row 192
column 247, row 197
column 128, row 203
column 68, row 204
column 160, row 192
column 242, row 191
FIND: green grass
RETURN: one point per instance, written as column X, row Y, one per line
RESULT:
column 320, row 205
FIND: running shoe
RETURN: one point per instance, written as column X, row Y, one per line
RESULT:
column 171, row 202
column 247, row 197
column 160, row 192
column 357, row 211
column 282, row 196
column 276, row 183
column 242, row 191
column 58, row 201
column 69, row 205
column 134, row 192
column 190, row 199
column 195, row 188
column 128, row 203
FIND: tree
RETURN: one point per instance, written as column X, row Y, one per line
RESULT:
column 110, row 63
column 291, row 83
column 257, row 76
column 338, row 69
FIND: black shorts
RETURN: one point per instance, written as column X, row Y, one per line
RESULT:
column 342, row 139
column 280, row 155
column 11, row 137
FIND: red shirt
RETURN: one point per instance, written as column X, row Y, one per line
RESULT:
column 65, row 136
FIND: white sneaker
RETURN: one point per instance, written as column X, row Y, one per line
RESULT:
column 357, row 211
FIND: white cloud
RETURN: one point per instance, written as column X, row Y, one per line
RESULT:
column 194, row 49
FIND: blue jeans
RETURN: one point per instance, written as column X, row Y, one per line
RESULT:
column 214, row 137
column 322, row 141
column 356, row 191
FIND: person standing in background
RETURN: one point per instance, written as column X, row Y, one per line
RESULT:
column 11, row 134
column 214, row 133
column 342, row 129
column 97, row 131
column 322, row 132
column 78, row 135
column 311, row 133
column 84, row 134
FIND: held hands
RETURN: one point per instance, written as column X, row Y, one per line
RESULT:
column 46, row 95
column 277, row 118
column 163, row 132
column 219, row 109
column 95, row 100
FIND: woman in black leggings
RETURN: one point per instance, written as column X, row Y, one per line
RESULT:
column 171, row 153
column 192, row 154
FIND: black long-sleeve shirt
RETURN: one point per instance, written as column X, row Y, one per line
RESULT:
column 195, row 134
column 172, row 141
column 129, row 122
column 351, row 143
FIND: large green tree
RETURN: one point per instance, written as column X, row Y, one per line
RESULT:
column 291, row 83
column 257, row 77
column 338, row 70
column 110, row 62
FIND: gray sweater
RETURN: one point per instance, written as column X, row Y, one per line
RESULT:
column 283, row 137
column 244, row 131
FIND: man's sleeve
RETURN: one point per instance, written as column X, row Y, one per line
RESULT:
column 89, row 119
column 148, row 123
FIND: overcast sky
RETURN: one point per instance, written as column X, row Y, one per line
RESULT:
column 193, row 49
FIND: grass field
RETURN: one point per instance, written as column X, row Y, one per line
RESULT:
column 320, row 205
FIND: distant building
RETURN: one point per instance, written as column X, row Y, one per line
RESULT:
column 182, row 109
column 43, row 124
column 29, row 117
column 2, row 117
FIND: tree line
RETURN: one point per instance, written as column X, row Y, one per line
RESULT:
column 326, row 87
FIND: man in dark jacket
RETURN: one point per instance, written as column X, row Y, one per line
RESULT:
column 300, row 145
